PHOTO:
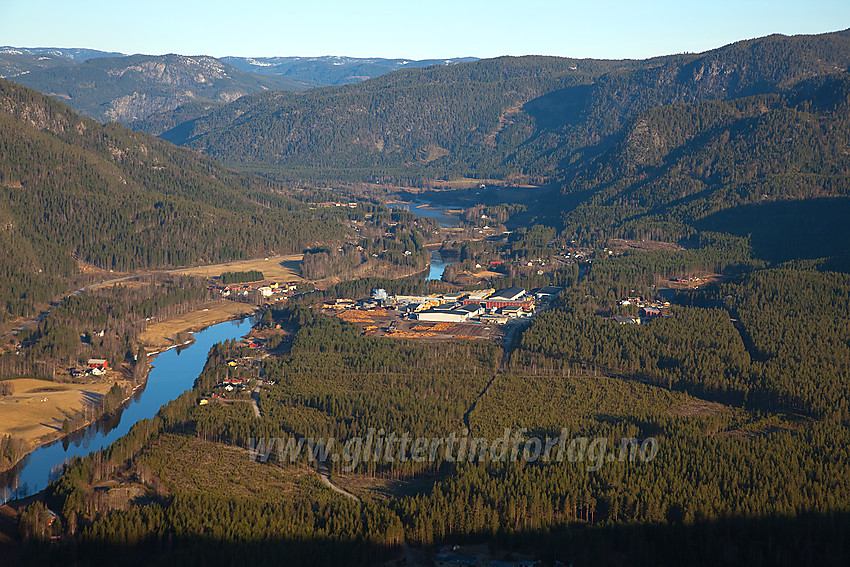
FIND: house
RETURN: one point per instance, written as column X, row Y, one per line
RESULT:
column 490, row 318
column 650, row 312
column 100, row 363
column 626, row 320
column 511, row 311
column 443, row 315
column 473, row 309
column 508, row 294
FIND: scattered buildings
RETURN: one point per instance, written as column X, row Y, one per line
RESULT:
column 548, row 293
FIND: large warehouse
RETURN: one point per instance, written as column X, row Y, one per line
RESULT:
column 450, row 313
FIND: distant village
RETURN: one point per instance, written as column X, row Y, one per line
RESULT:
column 268, row 291
column 649, row 309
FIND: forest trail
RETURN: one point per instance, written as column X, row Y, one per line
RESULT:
column 503, row 364
column 324, row 474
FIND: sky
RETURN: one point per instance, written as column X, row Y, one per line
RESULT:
column 432, row 29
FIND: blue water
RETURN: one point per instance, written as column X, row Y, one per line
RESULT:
column 172, row 373
column 437, row 267
column 422, row 209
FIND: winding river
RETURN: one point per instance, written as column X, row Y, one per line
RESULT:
column 443, row 218
column 172, row 373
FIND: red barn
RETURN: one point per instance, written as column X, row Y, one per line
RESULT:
column 98, row 363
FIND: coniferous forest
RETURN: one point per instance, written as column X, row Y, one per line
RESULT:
column 714, row 433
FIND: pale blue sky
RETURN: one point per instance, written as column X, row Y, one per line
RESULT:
column 431, row 29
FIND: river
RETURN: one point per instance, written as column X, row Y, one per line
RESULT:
column 444, row 219
column 172, row 373
column 437, row 266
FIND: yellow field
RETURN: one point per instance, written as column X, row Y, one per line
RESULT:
column 37, row 409
column 276, row 268
column 164, row 333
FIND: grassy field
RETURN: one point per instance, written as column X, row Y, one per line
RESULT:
column 164, row 333
column 277, row 268
column 37, row 409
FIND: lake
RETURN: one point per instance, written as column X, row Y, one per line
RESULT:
column 427, row 210
column 172, row 373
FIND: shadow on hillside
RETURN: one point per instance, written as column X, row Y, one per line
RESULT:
column 808, row 539
column 786, row 230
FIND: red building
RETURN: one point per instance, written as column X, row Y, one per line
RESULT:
column 98, row 363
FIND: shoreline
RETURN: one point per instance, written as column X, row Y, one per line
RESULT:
column 142, row 384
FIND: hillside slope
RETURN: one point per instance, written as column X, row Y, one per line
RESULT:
column 526, row 117
column 74, row 189
column 681, row 165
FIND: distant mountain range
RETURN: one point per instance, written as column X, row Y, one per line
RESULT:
column 145, row 90
column 332, row 70
column 633, row 146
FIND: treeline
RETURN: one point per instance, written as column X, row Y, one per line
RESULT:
column 723, row 466
column 767, row 339
column 240, row 277
column 533, row 117
column 794, row 323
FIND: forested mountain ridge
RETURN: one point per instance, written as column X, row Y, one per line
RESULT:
column 528, row 116
column 75, row 189
column 678, row 165
column 131, row 88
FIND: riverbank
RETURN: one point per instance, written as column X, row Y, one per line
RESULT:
column 36, row 412
column 166, row 334
column 173, row 372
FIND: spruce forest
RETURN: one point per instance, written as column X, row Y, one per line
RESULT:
column 716, row 185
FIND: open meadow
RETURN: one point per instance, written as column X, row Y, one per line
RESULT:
column 37, row 409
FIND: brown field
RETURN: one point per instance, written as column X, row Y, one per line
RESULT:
column 370, row 487
column 276, row 268
column 37, row 409
column 488, row 274
column 128, row 284
column 87, row 268
column 164, row 333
